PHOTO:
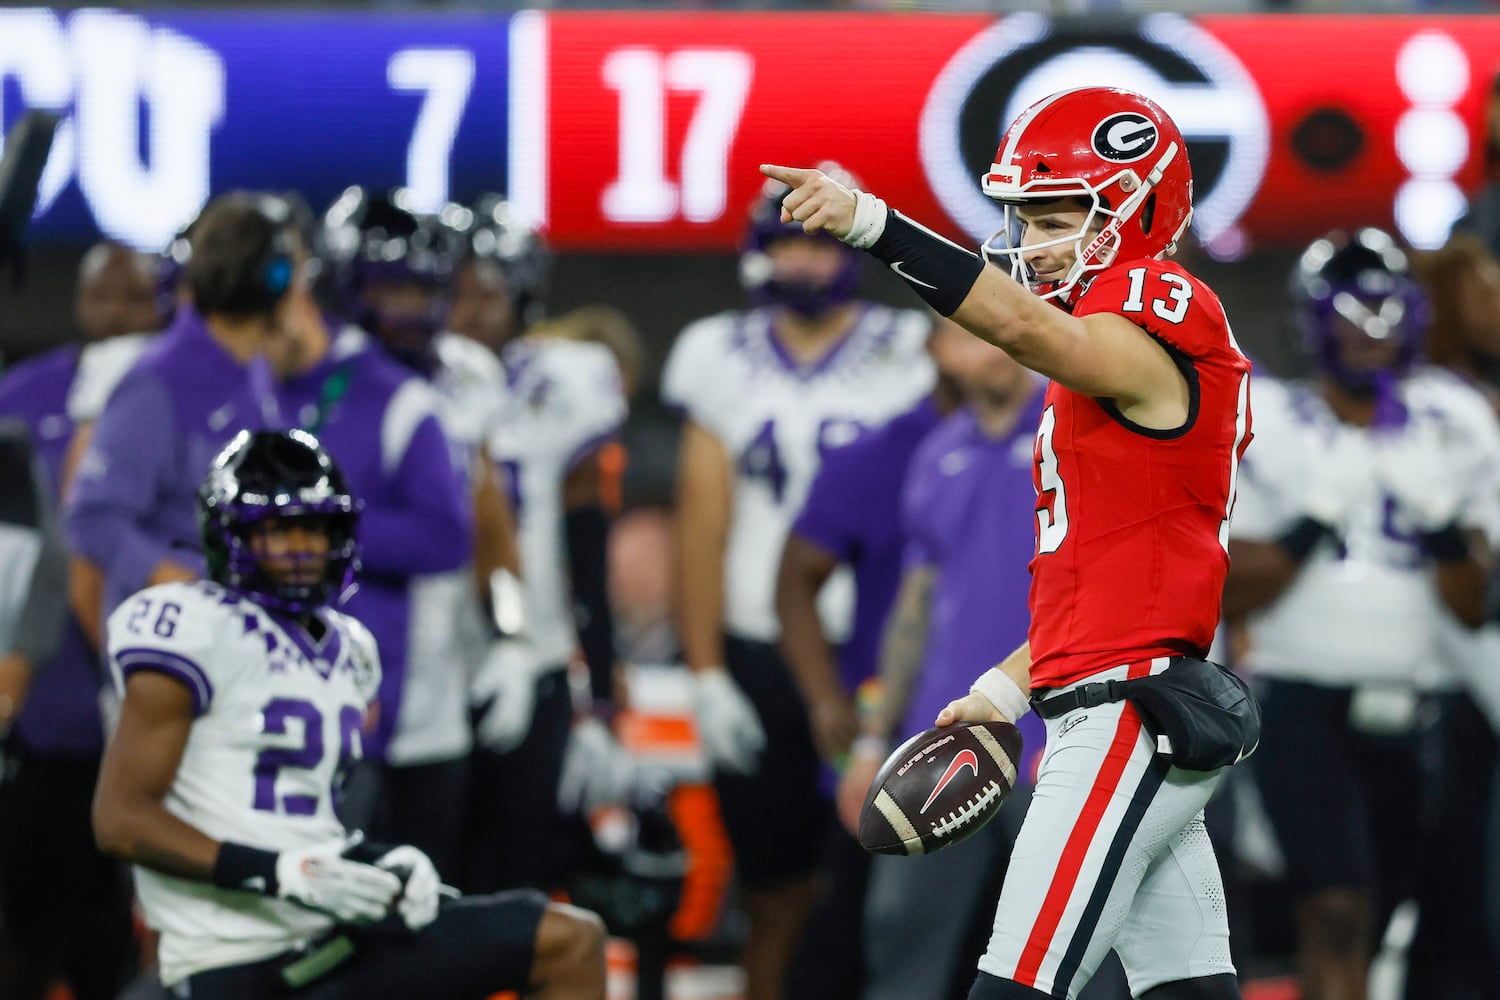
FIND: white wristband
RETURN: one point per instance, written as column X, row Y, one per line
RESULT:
column 1006, row 695
column 869, row 221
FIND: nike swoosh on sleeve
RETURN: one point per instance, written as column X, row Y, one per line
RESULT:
column 915, row 281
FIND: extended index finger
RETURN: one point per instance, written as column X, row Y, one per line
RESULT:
column 795, row 176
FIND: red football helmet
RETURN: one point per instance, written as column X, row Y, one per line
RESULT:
column 1114, row 149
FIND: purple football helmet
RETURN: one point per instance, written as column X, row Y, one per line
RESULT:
column 758, row 275
column 1361, row 283
column 490, row 230
column 370, row 242
column 276, row 474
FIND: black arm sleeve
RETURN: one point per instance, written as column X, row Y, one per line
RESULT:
column 588, row 537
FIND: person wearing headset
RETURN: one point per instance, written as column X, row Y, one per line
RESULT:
column 131, row 511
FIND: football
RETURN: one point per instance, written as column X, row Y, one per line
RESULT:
column 939, row 787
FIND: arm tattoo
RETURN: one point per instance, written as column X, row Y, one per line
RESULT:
column 903, row 646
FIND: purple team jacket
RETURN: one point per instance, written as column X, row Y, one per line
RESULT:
column 852, row 513
column 968, row 512
column 61, row 713
column 134, row 500
column 416, row 518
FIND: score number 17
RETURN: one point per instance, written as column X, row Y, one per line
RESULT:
column 642, row 77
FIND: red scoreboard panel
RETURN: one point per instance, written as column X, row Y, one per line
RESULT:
column 643, row 132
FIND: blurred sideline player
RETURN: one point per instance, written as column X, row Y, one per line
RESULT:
column 379, row 419
column 563, row 403
column 1135, row 457
column 245, row 703
column 64, row 907
column 139, row 293
column 831, row 531
column 767, row 393
column 129, row 510
column 1362, row 511
column 1457, row 945
column 78, row 927
column 851, row 517
column 963, row 514
column 1368, row 504
column 117, row 310
column 608, row 326
column 103, row 363
column 1463, row 282
column 640, row 585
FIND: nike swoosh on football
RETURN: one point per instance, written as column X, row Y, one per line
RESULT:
column 965, row 758
column 915, row 281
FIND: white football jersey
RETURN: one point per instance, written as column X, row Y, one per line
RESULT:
column 279, row 720
column 101, row 365
column 1368, row 614
column 448, row 634
column 565, row 402
column 472, row 382
column 777, row 419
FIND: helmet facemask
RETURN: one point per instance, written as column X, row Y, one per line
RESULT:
column 234, row 562
column 1093, row 243
column 280, row 475
column 1093, row 250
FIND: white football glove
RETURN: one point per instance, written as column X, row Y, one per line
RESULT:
column 728, row 725
column 422, row 888
column 596, row 771
column 505, row 688
column 1416, row 468
column 321, row 878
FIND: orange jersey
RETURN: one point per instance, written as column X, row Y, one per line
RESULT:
column 1133, row 523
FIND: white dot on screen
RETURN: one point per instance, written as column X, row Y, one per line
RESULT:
column 1426, row 211
column 1432, row 69
column 1432, row 142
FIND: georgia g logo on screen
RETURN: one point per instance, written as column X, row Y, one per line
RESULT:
column 1024, row 57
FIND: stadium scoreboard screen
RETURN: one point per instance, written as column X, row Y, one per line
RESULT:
column 642, row 132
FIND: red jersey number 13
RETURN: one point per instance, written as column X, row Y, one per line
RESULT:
column 1051, row 525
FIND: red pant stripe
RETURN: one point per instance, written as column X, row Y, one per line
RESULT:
column 1082, row 835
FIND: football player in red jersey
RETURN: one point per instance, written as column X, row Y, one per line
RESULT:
column 1144, row 423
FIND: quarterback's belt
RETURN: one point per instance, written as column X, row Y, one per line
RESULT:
column 1084, row 696
column 1202, row 715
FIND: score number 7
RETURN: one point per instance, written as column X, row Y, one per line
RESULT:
column 445, row 77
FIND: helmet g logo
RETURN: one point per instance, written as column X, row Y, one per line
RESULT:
column 1124, row 137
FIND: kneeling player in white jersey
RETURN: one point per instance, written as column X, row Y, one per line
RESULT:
column 245, row 701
